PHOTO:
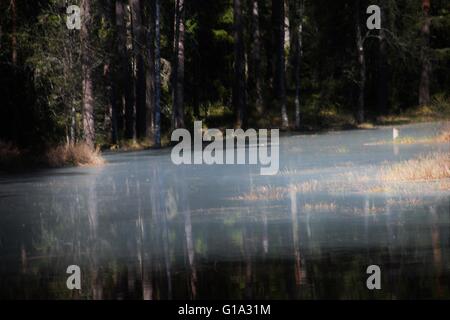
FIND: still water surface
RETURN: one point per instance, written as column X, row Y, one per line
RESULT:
column 143, row 228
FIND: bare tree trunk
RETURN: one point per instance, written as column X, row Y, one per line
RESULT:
column 278, row 11
column 126, row 84
column 178, row 66
column 150, row 70
column 120, row 50
column 157, row 74
column 362, row 67
column 109, row 73
column 86, row 65
column 388, row 10
column 73, row 125
column 111, row 107
column 383, row 80
column 297, row 38
column 13, row 32
column 140, row 81
column 424, row 87
column 255, row 74
column 239, row 95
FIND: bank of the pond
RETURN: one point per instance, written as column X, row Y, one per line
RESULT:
column 15, row 159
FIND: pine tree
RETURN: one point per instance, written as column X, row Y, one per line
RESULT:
column 87, row 63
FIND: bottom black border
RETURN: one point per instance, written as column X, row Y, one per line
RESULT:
column 171, row 309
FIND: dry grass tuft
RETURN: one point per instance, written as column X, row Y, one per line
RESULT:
column 264, row 193
column 409, row 140
column 305, row 187
column 365, row 126
column 79, row 154
column 320, row 207
column 444, row 135
column 378, row 189
column 278, row 193
column 405, row 202
column 430, row 167
column 134, row 145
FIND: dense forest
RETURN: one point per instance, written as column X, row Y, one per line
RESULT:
column 135, row 70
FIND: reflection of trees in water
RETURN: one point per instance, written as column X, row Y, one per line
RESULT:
column 93, row 221
column 160, row 230
column 437, row 251
column 135, row 238
column 189, row 247
column 300, row 274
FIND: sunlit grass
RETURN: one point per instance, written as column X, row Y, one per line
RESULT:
column 132, row 145
column 442, row 137
column 79, row 154
column 405, row 202
column 425, row 168
column 366, row 126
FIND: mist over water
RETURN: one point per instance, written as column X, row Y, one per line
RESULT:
column 142, row 228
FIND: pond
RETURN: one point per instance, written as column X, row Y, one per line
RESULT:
column 140, row 227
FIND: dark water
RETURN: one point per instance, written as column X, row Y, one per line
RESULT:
column 142, row 228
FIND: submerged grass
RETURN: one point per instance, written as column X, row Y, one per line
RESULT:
column 429, row 172
column 320, row 207
column 278, row 193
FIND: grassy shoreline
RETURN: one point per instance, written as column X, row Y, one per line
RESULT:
column 14, row 159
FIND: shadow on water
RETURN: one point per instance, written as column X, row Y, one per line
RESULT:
column 150, row 230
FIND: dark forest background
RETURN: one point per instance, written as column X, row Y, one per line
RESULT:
column 138, row 69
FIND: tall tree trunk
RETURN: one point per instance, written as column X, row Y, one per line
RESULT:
column 278, row 12
column 197, row 87
column 139, row 77
column 110, row 72
column 297, row 39
column 388, row 10
column 13, row 32
column 150, row 70
column 112, row 103
column 361, row 67
column 125, row 73
column 120, row 55
column 383, row 79
column 178, row 66
column 424, row 87
column 239, row 95
column 86, row 66
column 255, row 57
column 157, row 74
